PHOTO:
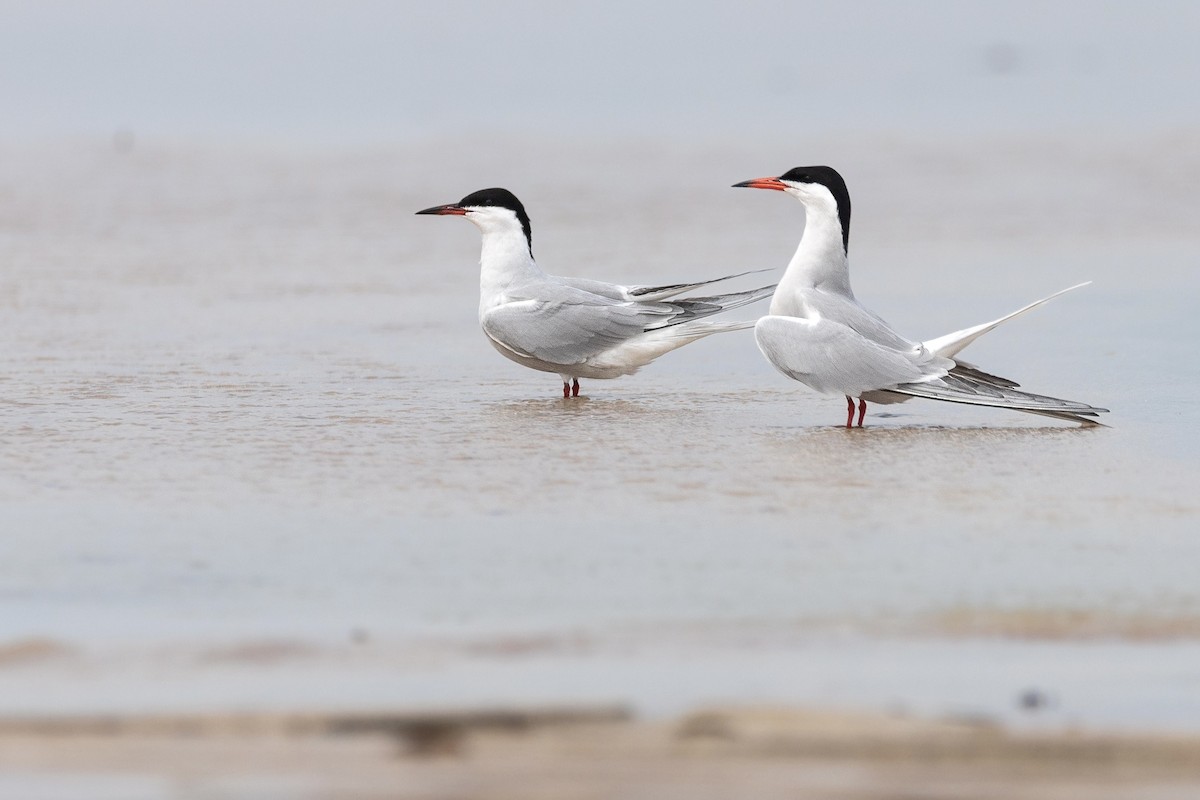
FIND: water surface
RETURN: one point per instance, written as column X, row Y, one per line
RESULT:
column 255, row 452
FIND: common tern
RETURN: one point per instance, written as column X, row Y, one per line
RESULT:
column 576, row 327
column 819, row 334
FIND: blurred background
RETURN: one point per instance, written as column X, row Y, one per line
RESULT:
column 376, row 72
column 275, row 521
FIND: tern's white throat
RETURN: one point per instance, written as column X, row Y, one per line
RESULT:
column 820, row 260
column 506, row 257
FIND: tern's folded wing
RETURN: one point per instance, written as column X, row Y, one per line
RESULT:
column 648, row 294
column 651, row 293
column 966, row 384
column 860, row 319
column 567, row 330
column 831, row 357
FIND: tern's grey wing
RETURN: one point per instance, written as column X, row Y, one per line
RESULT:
column 565, row 325
column 832, row 357
column 852, row 314
column 966, row 384
column 645, row 294
column 673, row 289
column 686, row 309
column 609, row 290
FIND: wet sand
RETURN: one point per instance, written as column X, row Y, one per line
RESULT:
column 583, row 754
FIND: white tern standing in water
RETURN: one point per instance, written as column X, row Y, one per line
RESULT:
column 575, row 327
column 818, row 334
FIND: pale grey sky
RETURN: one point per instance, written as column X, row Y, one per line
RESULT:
column 379, row 71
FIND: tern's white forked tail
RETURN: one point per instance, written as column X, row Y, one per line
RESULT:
column 949, row 345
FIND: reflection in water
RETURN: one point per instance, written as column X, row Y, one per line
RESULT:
column 582, row 406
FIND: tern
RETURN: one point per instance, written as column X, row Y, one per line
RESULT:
column 575, row 327
column 819, row 334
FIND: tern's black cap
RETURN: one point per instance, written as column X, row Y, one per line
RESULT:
column 831, row 180
column 501, row 198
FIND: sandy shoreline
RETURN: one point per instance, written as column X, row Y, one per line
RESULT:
column 582, row 753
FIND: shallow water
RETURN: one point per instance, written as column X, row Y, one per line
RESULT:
column 245, row 409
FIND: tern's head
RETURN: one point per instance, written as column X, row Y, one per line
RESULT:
column 821, row 189
column 492, row 211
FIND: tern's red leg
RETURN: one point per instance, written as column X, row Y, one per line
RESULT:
column 575, row 387
column 566, row 390
column 849, row 411
column 862, row 411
